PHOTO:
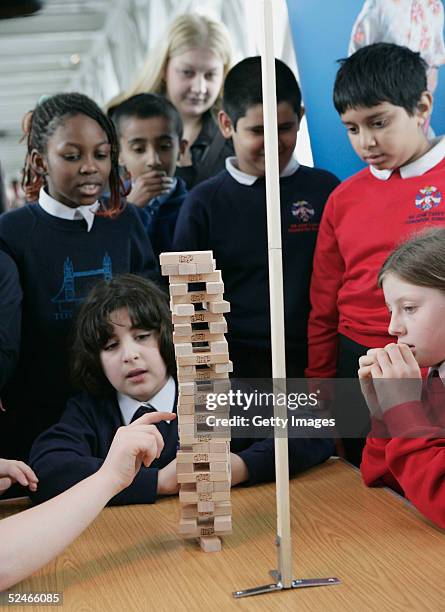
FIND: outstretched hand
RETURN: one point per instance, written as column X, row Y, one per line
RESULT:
column 133, row 445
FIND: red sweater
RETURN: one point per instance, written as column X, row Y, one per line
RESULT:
column 413, row 466
column 364, row 219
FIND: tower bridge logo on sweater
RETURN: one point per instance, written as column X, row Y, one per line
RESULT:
column 76, row 286
column 302, row 210
column 429, row 197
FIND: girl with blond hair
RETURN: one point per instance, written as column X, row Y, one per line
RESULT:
column 188, row 67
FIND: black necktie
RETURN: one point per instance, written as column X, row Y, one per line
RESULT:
column 162, row 425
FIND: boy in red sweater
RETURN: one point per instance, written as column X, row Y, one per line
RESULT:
column 381, row 95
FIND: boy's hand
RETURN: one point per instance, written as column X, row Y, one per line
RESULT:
column 239, row 470
column 148, row 186
column 167, row 480
column 12, row 471
column 137, row 443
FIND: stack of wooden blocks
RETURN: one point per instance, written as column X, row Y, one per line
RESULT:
column 202, row 358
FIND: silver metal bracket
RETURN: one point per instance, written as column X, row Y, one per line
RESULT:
column 278, row 585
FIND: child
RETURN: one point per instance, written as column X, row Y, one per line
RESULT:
column 228, row 215
column 32, row 538
column 188, row 67
column 381, row 95
column 10, row 307
column 63, row 245
column 150, row 133
column 408, row 450
column 124, row 356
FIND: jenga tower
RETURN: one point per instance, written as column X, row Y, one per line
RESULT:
column 202, row 358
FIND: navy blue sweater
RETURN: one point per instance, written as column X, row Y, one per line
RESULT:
column 230, row 218
column 77, row 446
column 160, row 225
column 58, row 262
column 10, row 317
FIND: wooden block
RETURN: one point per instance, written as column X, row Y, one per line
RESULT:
column 178, row 288
column 169, row 269
column 223, row 367
column 187, row 268
column 210, row 544
column 222, row 523
column 182, row 309
column 205, row 476
column 199, row 336
column 205, row 268
column 184, row 468
column 218, row 328
column 187, row 388
column 207, row 375
column 178, row 257
column 192, row 457
column 195, row 297
column 186, row 409
column 187, row 369
column 183, row 348
column 220, row 346
column 192, row 497
column 221, row 386
column 213, row 288
column 187, row 526
column 197, row 278
column 181, row 330
column 203, row 316
column 218, row 307
column 204, row 487
column 202, row 358
column 187, row 429
column 205, row 506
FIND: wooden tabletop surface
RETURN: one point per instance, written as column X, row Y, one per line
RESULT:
column 387, row 556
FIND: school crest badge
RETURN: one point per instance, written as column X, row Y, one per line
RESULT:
column 429, row 197
column 303, row 211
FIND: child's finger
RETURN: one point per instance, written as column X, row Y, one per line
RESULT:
column 365, row 371
column 5, row 483
column 16, row 474
column 376, row 371
column 154, row 417
column 29, row 473
column 366, row 360
column 408, row 355
column 395, row 355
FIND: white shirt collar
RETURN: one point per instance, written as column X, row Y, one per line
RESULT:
column 440, row 369
column 57, row 209
column 419, row 166
column 163, row 401
column 249, row 179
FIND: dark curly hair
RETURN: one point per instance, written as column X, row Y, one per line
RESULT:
column 148, row 309
column 41, row 123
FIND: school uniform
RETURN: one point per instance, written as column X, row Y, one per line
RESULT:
column 76, row 447
column 227, row 214
column 60, row 253
column 406, row 450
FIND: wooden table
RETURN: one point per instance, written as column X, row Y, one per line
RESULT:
column 387, row 556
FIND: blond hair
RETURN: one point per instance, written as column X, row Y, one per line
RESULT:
column 186, row 32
